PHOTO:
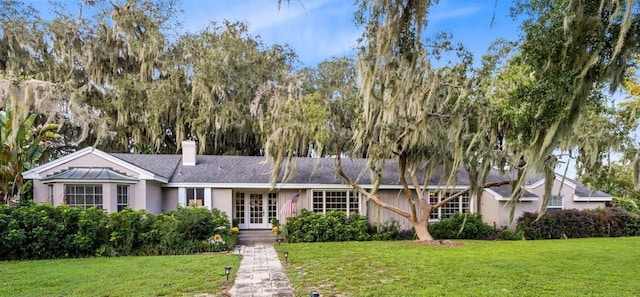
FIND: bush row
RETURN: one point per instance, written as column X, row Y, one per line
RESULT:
column 41, row 231
column 336, row 226
column 571, row 223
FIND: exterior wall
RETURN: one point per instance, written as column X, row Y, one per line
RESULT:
column 40, row 192
column 567, row 192
column 109, row 197
column 504, row 207
column 169, row 199
column 303, row 203
column 490, row 209
column 139, row 193
column 89, row 160
column 222, row 199
column 153, row 199
column 378, row 215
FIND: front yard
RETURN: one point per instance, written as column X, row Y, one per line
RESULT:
column 119, row 276
column 576, row 267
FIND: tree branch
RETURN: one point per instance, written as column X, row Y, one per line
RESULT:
column 374, row 198
column 457, row 195
column 405, row 186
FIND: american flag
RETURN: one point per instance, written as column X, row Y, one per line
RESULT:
column 290, row 205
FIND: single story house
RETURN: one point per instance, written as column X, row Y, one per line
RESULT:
column 239, row 186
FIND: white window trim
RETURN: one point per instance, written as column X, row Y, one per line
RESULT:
column 561, row 206
column 438, row 211
column 348, row 202
column 94, row 185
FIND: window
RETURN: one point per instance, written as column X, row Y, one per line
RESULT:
column 347, row 201
column 50, row 193
column 460, row 204
column 240, row 208
column 195, row 196
column 123, row 197
column 83, row 196
column 273, row 207
column 555, row 203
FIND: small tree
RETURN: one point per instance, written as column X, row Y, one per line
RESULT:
column 23, row 144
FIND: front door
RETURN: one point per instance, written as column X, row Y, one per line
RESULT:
column 254, row 210
column 257, row 211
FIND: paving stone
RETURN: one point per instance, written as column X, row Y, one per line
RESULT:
column 260, row 273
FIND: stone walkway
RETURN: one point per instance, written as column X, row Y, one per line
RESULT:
column 260, row 273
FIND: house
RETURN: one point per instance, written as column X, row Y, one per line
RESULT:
column 239, row 186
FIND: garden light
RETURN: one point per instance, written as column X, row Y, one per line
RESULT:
column 286, row 257
column 314, row 294
column 227, row 271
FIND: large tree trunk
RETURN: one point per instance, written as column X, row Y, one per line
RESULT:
column 422, row 230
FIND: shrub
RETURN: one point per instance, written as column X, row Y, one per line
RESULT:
column 332, row 226
column 572, row 223
column 390, row 230
column 461, row 226
column 41, row 231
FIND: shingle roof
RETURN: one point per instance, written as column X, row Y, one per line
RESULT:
column 257, row 170
column 244, row 169
column 84, row 173
column 162, row 165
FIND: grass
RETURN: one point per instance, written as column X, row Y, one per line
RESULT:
column 576, row 267
column 119, row 276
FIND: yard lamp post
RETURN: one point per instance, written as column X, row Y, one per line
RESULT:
column 227, row 271
column 286, row 257
column 314, row 294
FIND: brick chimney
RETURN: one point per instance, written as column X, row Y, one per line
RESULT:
column 188, row 153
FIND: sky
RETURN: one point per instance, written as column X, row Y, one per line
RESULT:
column 319, row 30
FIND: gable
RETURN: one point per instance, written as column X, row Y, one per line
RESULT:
column 94, row 158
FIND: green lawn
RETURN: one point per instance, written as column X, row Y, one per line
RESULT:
column 576, row 267
column 121, row 276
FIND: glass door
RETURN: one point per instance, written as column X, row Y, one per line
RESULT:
column 257, row 211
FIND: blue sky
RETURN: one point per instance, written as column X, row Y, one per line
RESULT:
column 321, row 29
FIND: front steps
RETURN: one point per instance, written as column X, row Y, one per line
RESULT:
column 253, row 236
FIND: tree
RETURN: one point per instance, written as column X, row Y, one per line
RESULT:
column 113, row 76
column 439, row 119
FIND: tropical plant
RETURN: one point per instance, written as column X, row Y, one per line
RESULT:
column 23, row 144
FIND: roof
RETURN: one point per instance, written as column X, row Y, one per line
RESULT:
column 93, row 174
column 256, row 171
column 162, row 165
column 251, row 170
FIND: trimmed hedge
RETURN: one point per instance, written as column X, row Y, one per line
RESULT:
column 41, row 231
column 332, row 226
column 572, row 223
column 452, row 227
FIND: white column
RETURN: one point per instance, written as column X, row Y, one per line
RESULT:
column 182, row 197
column 207, row 198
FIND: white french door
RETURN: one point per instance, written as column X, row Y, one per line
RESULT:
column 255, row 210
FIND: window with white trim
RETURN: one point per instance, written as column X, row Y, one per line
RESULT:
column 460, row 204
column 83, row 196
column 50, row 194
column 555, row 202
column 272, row 205
column 195, row 196
column 122, row 197
column 326, row 200
column 240, row 207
